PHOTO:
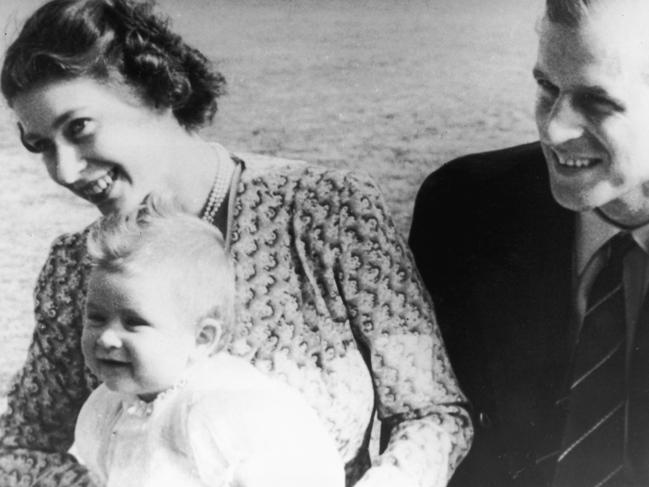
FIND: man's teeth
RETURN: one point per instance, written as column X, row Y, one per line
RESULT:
column 576, row 162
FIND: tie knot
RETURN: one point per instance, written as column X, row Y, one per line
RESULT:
column 620, row 245
column 609, row 277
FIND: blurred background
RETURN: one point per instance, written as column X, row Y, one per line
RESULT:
column 393, row 88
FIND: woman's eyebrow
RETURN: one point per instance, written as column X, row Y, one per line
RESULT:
column 58, row 121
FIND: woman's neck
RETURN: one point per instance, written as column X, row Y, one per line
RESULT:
column 198, row 162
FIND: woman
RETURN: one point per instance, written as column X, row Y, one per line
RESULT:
column 327, row 295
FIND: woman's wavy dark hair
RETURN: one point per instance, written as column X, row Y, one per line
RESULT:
column 65, row 39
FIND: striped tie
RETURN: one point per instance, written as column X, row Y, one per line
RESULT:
column 594, row 438
column 638, row 409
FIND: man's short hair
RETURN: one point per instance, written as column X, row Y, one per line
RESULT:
column 188, row 253
column 567, row 12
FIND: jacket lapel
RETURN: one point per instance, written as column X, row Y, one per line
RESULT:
column 533, row 343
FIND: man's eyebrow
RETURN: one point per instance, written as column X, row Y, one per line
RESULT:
column 591, row 90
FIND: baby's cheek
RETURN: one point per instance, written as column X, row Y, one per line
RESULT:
column 88, row 340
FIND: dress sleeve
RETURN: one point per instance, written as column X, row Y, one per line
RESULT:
column 417, row 395
column 37, row 428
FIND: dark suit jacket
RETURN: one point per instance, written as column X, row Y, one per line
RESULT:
column 495, row 250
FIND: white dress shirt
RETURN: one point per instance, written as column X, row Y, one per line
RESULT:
column 592, row 233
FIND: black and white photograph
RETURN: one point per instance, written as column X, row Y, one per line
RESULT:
column 325, row 243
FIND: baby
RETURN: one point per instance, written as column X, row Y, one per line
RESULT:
column 174, row 408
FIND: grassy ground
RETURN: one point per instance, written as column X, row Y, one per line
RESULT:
column 390, row 88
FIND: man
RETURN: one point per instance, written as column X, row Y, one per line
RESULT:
column 515, row 246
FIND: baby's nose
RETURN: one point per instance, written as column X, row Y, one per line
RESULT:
column 109, row 339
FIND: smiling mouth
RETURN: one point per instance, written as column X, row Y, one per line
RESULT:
column 100, row 188
column 112, row 362
column 575, row 162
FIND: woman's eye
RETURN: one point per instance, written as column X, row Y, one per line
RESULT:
column 37, row 147
column 79, row 127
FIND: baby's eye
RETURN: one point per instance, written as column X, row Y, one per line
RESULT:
column 94, row 320
column 79, row 127
column 135, row 322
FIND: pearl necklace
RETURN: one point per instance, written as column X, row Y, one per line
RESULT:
column 218, row 192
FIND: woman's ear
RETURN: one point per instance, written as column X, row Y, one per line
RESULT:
column 208, row 336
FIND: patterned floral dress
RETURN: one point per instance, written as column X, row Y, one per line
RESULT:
column 328, row 300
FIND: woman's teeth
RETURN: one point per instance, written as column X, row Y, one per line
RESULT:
column 100, row 185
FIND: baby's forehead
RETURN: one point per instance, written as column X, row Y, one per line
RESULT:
column 133, row 284
column 197, row 287
column 147, row 293
column 137, row 267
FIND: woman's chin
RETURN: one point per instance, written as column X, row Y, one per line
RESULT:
column 121, row 205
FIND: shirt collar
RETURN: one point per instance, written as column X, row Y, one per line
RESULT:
column 593, row 232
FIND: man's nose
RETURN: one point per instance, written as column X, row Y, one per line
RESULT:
column 109, row 338
column 67, row 164
column 562, row 123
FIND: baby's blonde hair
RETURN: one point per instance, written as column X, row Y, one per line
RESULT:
column 191, row 254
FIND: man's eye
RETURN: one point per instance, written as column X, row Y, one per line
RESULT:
column 598, row 103
column 547, row 87
column 79, row 127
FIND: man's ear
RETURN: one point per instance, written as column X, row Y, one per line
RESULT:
column 208, row 335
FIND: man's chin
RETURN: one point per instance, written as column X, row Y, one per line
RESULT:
column 625, row 215
column 575, row 200
column 618, row 210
